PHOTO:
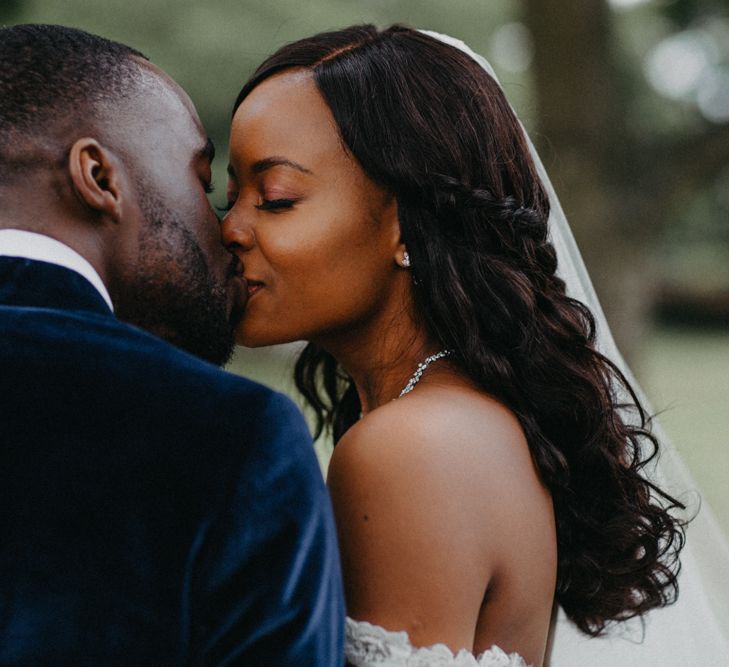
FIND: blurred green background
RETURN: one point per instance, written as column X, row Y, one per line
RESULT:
column 629, row 103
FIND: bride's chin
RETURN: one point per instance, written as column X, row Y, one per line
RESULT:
column 246, row 340
column 247, row 337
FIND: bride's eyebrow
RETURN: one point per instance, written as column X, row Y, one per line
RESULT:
column 269, row 162
column 260, row 166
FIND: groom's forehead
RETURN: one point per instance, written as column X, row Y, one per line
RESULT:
column 156, row 79
column 164, row 105
column 161, row 96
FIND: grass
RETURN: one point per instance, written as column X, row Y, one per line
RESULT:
column 686, row 376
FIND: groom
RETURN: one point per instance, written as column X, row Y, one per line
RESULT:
column 154, row 510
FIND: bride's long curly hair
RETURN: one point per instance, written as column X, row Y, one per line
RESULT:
column 427, row 123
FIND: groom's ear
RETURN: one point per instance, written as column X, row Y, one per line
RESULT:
column 96, row 176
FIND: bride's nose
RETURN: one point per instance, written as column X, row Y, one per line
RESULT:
column 237, row 234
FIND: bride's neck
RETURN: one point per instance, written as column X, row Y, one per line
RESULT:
column 381, row 358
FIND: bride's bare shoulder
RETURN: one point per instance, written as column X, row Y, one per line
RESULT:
column 435, row 495
column 440, row 442
column 438, row 430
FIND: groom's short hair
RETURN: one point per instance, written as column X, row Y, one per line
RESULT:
column 54, row 79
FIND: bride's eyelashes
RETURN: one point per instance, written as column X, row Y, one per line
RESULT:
column 276, row 204
column 265, row 205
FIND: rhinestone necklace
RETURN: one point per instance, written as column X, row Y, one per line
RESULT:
column 415, row 377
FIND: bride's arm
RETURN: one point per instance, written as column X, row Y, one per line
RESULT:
column 419, row 494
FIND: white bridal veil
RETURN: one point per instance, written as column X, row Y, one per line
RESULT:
column 694, row 630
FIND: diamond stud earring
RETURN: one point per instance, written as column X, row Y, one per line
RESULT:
column 405, row 260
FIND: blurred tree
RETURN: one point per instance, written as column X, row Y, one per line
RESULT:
column 618, row 182
column 10, row 10
column 212, row 47
column 624, row 159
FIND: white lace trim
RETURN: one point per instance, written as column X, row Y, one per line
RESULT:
column 368, row 644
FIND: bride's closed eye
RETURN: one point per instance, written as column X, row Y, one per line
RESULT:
column 265, row 205
column 276, row 204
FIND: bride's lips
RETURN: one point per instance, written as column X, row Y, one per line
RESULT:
column 254, row 286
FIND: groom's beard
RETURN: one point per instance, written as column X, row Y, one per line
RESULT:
column 173, row 294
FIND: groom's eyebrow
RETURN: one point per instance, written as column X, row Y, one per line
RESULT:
column 269, row 162
column 207, row 152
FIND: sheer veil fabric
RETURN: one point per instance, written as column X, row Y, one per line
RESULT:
column 694, row 630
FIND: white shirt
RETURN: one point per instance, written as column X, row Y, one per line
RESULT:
column 41, row 248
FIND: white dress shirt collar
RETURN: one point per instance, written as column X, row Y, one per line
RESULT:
column 41, row 248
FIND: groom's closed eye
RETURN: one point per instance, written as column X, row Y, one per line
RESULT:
column 207, row 152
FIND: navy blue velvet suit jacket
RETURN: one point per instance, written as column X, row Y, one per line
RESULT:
column 154, row 510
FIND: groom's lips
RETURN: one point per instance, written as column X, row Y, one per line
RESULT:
column 239, row 290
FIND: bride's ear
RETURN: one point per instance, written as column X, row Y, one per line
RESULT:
column 399, row 249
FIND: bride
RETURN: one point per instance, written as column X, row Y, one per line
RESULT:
column 491, row 457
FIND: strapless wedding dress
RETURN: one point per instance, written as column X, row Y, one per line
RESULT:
column 368, row 644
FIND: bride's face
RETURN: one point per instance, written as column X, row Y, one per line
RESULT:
column 317, row 238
